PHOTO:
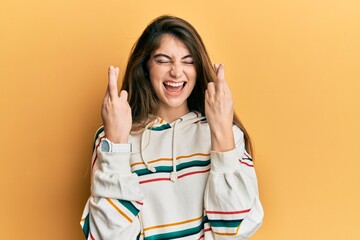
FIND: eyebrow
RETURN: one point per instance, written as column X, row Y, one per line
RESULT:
column 166, row 56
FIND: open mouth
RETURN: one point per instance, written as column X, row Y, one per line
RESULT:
column 174, row 86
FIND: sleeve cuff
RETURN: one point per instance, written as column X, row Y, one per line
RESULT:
column 224, row 162
column 115, row 162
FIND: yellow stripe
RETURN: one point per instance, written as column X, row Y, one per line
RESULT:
column 228, row 234
column 170, row 159
column 118, row 209
column 172, row 224
column 82, row 220
column 195, row 154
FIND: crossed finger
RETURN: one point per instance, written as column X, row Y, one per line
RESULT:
column 113, row 75
column 220, row 84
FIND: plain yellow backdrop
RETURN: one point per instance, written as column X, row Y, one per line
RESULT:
column 293, row 67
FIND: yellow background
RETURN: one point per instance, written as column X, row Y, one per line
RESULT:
column 292, row 65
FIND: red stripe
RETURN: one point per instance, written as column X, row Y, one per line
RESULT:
column 139, row 203
column 168, row 179
column 234, row 212
column 205, row 230
column 191, row 173
column 247, row 155
column 96, row 151
column 154, row 180
column 245, row 163
column 92, row 237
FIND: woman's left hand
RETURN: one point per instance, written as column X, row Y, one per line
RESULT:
column 219, row 110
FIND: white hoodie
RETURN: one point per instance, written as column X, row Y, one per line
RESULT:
column 171, row 186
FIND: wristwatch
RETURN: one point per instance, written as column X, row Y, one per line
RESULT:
column 107, row 146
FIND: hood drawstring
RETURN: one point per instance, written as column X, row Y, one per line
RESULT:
column 173, row 174
column 148, row 165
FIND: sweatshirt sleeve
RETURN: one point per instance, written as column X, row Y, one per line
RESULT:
column 231, row 198
column 112, row 210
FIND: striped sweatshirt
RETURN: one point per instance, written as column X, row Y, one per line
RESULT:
column 172, row 186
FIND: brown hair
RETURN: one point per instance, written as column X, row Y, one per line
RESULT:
column 142, row 98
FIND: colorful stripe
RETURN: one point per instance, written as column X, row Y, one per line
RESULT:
column 119, row 210
column 92, row 237
column 227, row 234
column 168, row 169
column 129, row 206
column 247, row 156
column 225, row 223
column 245, row 163
column 168, row 179
column 98, row 132
column 170, row 159
column 204, row 231
column 173, row 224
column 86, row 225
column 160, row 128
column 179, row 233
column 192, row 173
column 228, row 212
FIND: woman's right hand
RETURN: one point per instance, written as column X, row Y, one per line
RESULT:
column 116, row 111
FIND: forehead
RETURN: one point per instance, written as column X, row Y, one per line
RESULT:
column 172, row 46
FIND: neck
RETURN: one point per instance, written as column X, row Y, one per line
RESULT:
column 170, row 114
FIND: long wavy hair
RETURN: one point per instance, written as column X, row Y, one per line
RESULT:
column 142, row 98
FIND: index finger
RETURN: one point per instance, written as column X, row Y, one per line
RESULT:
column 113, row 74
column 221, row 73
column 220, row 83
column 221, row 80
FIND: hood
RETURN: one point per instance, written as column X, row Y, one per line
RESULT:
column 160, row 125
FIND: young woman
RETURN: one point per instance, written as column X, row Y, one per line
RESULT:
column 170, row 161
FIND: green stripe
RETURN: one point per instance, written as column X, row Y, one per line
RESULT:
column 177, row 234
column 225, row 223
column 205, row 219
column 247, row 152
column 86, row 226
column 101, row 129
column 160, row 128
column 195, row 163
column 129, row 206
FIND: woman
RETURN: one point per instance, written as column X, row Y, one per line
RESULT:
column 161, row 169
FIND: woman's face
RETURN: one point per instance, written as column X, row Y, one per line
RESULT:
column 172, row 74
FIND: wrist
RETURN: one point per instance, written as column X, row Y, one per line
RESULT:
column 222, row 140
column 116, row 139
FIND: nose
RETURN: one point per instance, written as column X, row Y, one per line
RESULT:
column 176, row 70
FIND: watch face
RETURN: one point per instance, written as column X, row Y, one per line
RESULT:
column 105, row 145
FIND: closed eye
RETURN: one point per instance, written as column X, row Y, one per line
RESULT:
column 187, row 59
column 165, row 59
column 162, row 58
column 162, row 61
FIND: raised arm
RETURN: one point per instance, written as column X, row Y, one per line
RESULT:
column 231, row 197
column 112, row 211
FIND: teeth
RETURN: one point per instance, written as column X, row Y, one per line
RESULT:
column 174, row 84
